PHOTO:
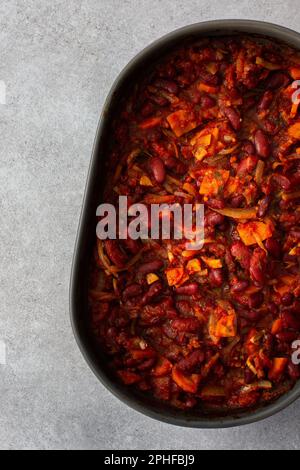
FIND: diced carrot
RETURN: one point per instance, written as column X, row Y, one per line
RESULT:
column 189, row 188
column 251, row 232
column 200, row 153
column 208, row 88
column 189, row 253
column 151, row 278
column 163, row 367
column 181, row 122
column 222, row 325
column 145, row 181
column 213, row 182
column 204, row 140
column 193, row 266
column 174, row 276
column 294, row 131
column 187, row 383
column 277, row 326
column 212, row 68
column 233, row 184
column 294, row 110
column 278, row 368
column 226, row 327
column 295, row 73
column 212, row 263
column 150, row 123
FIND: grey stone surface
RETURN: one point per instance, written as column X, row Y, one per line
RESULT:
column 58, row 60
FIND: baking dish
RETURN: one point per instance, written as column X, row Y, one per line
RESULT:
column 86, row 234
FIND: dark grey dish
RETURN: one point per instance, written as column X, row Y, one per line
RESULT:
column 86, row 233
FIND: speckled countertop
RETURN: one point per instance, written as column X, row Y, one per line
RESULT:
column 58, row 60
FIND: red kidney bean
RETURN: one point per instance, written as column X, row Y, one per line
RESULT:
column 168, row 85
column 251, row 315
column 158, row 169
column 265, row 101
column 216, row 203
column 263, row 206
column 283, row 182
column 153, row 291
column 212, row 219
column 273, row 246
column 216, row 277
column 273, row 308
column 258, row 266
column 187, row 325
column 242, row 253
column 291, row 321
column 295, row 234
column 132, row 291
column 286, row 336
column 249, row 148
column 159, row 100
column 288, row 299
column 188, row 289
column 262, row 144
column 247, row 165
column 256, row 300
column 191, row 361
column 234, row 117
column 208, row 102
column 293, row 371
column 237, row 201
column 115, row 254
column 133, row 246
column 277, row 80
column 149, row 363
column 239, row 286
column 295, row 179
column 150, row 267
column 249, row 376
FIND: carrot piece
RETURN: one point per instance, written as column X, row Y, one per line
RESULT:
column 151, row 278
column 208, row 88
column 212, row 263
column 150, row 123
column 213, row 182
column 163, row 367
column 252, row 232
column 174, row 276
column 187, row 383
column 277, row 326
column 278, row 368
column 222, row 325
column 193, row 266
column 295, row 73
column 294, row 131
column 145, row 181
column 181, row 122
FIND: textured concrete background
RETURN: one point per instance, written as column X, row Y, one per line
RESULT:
column 58, row 60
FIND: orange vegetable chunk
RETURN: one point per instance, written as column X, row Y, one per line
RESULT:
column 181, row 122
